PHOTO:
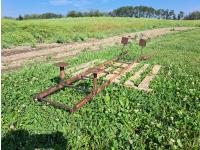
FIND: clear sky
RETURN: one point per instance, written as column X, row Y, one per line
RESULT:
column 15, row 7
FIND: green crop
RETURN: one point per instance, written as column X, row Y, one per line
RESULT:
column 27, row 32
column 118, row 117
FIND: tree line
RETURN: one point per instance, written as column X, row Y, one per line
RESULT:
column 40, row 16
column 127, row 11
column 92, row 13
column 195, row 15
column 146, row 12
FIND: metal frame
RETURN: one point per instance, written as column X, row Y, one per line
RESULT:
column 69, row 82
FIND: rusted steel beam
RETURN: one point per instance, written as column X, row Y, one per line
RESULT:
column 57, row 104
column 49, row 91
column 69, row 81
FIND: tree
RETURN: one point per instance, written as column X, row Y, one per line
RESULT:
column 20, row 18
column 127, row 11
column 73, row 14
column 42, row 16
column 137, row 12
column 167, row 16
column 92, row 13
column 49, row 15
column 172, row 14
column 195, row 15
column 158, row 13
column 7, row 17
column 180, row 15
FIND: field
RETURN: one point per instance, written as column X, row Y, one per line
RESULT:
column 118, row 117
column 30, row 32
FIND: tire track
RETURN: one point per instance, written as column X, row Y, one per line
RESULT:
column 16, row 58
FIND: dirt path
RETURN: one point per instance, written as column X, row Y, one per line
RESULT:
column 17, row 57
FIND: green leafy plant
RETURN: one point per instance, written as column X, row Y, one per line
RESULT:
column 77, row 29
column 116, row 118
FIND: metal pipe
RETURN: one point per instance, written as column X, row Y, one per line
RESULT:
column 57, row 105
column 94, row 81
column 62, row 73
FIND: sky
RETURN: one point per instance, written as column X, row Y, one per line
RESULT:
column 14, row 8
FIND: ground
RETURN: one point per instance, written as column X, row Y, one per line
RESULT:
column 118, row 117
column 17, row 57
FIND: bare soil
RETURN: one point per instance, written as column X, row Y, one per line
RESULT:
column 17, row 57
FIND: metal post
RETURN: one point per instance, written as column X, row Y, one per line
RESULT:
column 94, row 81
column 142, row 43
column 62, row 73
column 62, row 69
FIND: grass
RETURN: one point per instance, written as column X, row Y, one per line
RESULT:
column 118, row 117
column 29, row 32
column 143, row 75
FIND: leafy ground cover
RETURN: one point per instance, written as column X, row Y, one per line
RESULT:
column 118, row 117
column 30, row 32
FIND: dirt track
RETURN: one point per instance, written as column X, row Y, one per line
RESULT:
column 17, row 57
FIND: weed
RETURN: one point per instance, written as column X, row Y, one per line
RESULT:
column 33, row 45
column 60, row 40
column 15, row 33
column 118, row 117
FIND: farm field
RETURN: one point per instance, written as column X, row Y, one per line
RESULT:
column 32, row 32
column 18, row 57
column 118, row 117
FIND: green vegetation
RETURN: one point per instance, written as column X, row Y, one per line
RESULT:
column 118, row 117
column 125, row 11
column 195, row 15
column 30, row 32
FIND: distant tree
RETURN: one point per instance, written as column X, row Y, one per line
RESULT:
column 31, row 16
column 137, row 12
column 158, row 13
column 162, row 12
column 72, row 14
column 50, row 15
column 167, row 16
column 172, row 14
column 92, row 13
column 20, row 18
column 6, row 17
column 180, row 15
column 42, row 16
column 127, row 11
column 97, row 13
column 195, row 15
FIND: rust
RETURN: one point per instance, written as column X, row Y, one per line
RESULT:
column 49, row 91
column 96, row 71
column 142, row 43
column 62, row 66
column 100, row 88
column 57, row 105
column 95, row 91
column 94, row 81
column 124, row 40
column 69, row 82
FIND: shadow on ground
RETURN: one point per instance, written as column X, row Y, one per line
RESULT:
column 21, row 139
